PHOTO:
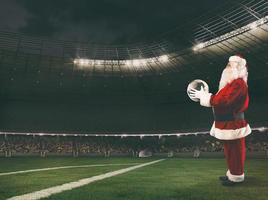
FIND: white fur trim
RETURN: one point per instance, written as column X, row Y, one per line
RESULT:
column 235, row 178
column 229, row 134
column 205, row 99
column 235, row 59
column 238, row 59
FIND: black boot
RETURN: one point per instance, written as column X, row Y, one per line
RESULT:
column 229, row 183
column 223, row 178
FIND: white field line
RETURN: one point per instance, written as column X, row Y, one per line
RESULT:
column 64, row 167
column 72, row 185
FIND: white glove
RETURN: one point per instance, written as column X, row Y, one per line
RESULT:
column 197, row 93
column 202, row 95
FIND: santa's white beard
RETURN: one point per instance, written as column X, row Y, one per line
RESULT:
column 231, row 73
column 228, row 75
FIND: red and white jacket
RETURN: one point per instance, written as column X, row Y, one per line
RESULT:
column 231, row 100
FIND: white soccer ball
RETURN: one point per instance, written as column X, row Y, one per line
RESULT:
column 196, row 84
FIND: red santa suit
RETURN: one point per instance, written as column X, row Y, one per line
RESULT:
column 229, row 105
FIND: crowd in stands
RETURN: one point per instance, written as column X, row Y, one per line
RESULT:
column 61, row 145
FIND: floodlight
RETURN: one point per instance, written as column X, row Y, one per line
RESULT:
column 163, row 58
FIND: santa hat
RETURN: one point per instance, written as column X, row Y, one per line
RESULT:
column 239, row 59
column 241, row 69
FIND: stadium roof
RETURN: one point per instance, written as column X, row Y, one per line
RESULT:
column 75, row 86
column 198, row 48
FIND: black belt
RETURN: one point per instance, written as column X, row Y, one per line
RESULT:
column 229, row 117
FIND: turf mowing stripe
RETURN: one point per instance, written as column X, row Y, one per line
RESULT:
column 65, row 167
column 72, row 185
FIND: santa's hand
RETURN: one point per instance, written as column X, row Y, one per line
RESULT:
column 202, row 95
column 197, row 93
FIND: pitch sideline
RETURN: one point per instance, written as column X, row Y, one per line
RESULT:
column 64, row 167
column 72, row 185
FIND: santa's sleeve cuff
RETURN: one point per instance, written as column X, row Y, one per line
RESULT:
column 205, row 100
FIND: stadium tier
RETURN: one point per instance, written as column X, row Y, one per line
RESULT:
column 134, row 100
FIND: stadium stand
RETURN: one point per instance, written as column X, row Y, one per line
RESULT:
column 116, row 146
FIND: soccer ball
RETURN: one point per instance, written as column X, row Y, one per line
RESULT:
column 196, row 84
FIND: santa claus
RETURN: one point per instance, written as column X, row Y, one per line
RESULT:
column 229, row 105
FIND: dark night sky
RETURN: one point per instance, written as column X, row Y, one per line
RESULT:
column 100, row 21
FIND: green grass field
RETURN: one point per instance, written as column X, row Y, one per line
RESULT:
column 171, row 179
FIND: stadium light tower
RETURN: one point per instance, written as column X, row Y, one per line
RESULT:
column 198, row 46
column 163, row 58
